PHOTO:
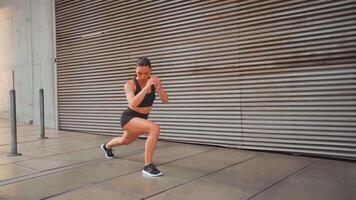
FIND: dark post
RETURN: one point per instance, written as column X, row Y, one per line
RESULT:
column 13, row 124
column 42, row 118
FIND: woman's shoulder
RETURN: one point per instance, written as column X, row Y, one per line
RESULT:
column 130, row 83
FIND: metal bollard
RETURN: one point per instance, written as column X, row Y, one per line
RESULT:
column 13, row 124
column 42, row 118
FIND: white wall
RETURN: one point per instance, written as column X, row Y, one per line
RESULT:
column 26, row 46
column 5, row 55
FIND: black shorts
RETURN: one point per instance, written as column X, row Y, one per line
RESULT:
column 128, row 114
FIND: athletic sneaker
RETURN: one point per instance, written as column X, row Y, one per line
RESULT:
column 108, row 152
column 151, row 170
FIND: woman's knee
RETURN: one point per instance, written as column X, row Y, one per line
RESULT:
column 155, row 129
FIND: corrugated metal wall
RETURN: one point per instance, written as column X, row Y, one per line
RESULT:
column 269, row 75
column 297, row 76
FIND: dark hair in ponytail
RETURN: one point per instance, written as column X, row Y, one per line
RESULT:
column 143, row 61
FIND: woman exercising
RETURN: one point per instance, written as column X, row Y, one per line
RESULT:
column 140, row 94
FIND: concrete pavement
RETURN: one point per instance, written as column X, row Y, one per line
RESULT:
column 70, row 165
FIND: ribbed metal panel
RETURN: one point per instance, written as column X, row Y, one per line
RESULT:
column 269, row 75
column 297, row 76
column 98, row 43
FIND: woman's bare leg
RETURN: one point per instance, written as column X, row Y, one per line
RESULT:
column 150, row 146
column 133, row 129
column 127, row 138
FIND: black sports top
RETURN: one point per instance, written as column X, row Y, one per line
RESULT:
column 149, row 98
